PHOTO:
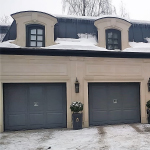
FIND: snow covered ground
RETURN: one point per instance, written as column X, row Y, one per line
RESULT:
column 115, row 137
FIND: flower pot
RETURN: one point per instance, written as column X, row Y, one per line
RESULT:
column 77, row 121
column 148, row 117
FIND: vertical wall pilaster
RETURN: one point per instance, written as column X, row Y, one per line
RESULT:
column 1, row 100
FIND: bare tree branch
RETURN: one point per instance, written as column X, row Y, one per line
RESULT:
column 4, row 19
column 88, row 7
column 123, row 11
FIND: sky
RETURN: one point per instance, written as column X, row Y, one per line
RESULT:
column 137, row 9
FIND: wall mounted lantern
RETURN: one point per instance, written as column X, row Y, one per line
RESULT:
column 148, row 84
column 76, row 86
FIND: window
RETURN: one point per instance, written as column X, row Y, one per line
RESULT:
column 113, row 39
column 35, row 35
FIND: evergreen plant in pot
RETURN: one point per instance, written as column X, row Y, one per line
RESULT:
column 148, row 111
column 76, row 108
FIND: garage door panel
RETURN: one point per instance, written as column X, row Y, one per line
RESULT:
column 36, row 119
column 43, row 105
column 36, row 98
column 16, row 98
column 123, row 103
column 115, row 115
column 55, row 118
column 100, row 97
column 128, row 100
column 54, row 100
column 114, row 96
column 114, row 103
column 130, row 114
column 17, row 120
column 98, row 116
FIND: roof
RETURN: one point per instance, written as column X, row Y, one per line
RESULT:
column 70, row 26
column 69, row 29
column 32, row 11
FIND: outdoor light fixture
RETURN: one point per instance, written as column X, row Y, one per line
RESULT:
column 76, row 86
column 148, row 84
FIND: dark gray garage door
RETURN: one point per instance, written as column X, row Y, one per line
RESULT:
column 34, row 106
column 114, row 103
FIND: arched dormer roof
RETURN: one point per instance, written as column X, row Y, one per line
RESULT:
column 25, row 18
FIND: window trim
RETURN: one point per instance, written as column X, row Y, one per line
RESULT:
column 29, row 28
column 119, row 37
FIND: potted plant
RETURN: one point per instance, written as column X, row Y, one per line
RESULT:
column 148, row 110
column 76, row 108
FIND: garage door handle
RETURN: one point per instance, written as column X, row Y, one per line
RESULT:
column 115, row 101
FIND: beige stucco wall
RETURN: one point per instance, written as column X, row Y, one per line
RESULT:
column 112, row 23
column 26, row 18
column 36, row 69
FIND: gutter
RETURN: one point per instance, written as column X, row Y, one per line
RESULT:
column 67, row 52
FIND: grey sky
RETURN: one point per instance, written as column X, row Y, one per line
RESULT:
column 138, row 10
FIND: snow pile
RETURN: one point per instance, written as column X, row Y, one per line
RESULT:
column 9, row 44
column 4, row 24
column 147, row 39
column 138, row 47
column 85, row 42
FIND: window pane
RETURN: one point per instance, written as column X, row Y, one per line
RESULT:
column 116, row 47
column 33, row 37
column 39, row 38
column 110, row 47
column 115, row 41
column 115, row 36
column 33, row 31
column 32, row 43
column 40, row 31
column 110, row 35
column 110, row 41
column 39, row 44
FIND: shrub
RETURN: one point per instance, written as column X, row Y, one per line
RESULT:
column 76, row 106
column 148, row 104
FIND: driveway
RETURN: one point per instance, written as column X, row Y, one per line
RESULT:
column 114, row 137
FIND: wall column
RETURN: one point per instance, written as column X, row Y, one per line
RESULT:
column 1, row 99
column 1, row 109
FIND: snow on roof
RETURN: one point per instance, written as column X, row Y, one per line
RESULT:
column 5, row 24
column 89, row 17
column 8, row 44
column 103, row 16
column 85, row 42
column 140, row 21
column 138, row 47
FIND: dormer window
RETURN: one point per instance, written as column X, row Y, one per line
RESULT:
column 113, row 33
column 35, row 35
column 113, row 39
